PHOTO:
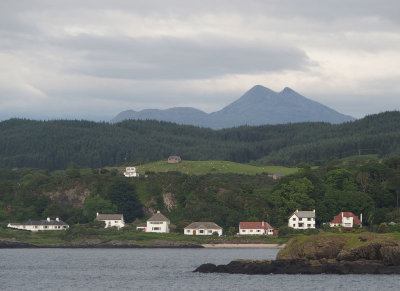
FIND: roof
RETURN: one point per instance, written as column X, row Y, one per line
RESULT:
column 109, row 217
column 304, row 214
column 338, row 218
column 255, row 225
column 45, row 222
column 203, row 225
column 158, row 217
column 144, row 224
column 174, row 157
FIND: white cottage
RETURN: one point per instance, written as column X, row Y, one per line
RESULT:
column 202, row 228
column 302, row 219
column 111, row 220
column 346, row 219
column 36, row 225
column 130, row 172
column 255, row 228
column 157, row 223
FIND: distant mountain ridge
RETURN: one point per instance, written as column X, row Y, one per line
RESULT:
column 258, row 106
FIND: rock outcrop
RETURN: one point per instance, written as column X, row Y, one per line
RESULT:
column 323, row 254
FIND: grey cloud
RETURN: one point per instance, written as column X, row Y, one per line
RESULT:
column 175, row 58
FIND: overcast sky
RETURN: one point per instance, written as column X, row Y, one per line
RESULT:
column 93, row 59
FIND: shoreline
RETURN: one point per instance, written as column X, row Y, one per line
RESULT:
column 7, row 244
column 234, row 246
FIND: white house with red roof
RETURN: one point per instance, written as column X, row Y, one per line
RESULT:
column 255, row 228
column 346, row 219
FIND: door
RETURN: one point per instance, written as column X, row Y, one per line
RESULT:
column 194, row 232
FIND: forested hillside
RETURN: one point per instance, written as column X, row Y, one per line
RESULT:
column 75, row 195
column 55, row 144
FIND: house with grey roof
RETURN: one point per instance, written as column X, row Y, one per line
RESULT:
column 302, row 219
column 36, row 225
column 111, row 220
column 202, row 228
column 158, row 223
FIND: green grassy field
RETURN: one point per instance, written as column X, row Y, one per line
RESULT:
column 79, row 234
column 212, row 167
column 359, row 158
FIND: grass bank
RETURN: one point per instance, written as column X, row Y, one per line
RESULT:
column 212, row 167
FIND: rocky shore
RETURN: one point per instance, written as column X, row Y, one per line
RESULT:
column 7, row 244
column 323, row 254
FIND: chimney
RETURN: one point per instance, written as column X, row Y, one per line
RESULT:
column 262, row 223
column 297, row 210
column 57, row 219
column 361, row 217
column 48, row 218
column 342, row 215
column 97, row 214
column 158, row 211
column 314, row 210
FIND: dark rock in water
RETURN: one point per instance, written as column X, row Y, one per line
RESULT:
column 300, row 267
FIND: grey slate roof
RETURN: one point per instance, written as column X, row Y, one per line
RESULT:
column 109, row 217
column 158, row 217
column 144, row 224
column 203, row 225
column 45, row 222
column 304, row 214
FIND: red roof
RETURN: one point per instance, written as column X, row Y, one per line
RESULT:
column 338, row 218
column 255, row 225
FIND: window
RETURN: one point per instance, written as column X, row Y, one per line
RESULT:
column 301, row 224
column 155, row 222
column 300, row 219
column 115, row 221
column 258, row 230
column 188, row 231
column 243, row 230
column 309, row 219
column 294, row 218
column 308, row 225
column 210, row 231
column 294, row 225
column 251, row 230
column 46, row 226
column 201, row 231
column 156, row 228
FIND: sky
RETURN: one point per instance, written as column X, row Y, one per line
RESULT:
column 93, row 59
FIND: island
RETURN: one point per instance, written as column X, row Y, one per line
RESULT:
column 327, row 253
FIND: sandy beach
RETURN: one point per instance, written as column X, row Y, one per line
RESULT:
column 266, row 246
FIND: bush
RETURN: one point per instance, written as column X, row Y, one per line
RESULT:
column 383, row 227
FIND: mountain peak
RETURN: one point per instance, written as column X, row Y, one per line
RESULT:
column 258, row 106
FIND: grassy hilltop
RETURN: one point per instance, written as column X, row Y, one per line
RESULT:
column 212, row 167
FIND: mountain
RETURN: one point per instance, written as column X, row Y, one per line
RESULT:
column 258, row 106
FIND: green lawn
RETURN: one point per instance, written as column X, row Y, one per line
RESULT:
column 212, row 167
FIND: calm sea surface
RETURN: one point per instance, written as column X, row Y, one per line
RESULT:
column 159, row 269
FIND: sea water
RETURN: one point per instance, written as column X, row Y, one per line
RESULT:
column 159, row 269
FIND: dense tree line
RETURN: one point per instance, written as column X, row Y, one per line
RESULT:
column 55, row 144
column 371, row 188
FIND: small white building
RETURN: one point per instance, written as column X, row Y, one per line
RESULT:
column 130, row 172
column 255, row 228
column 157, row 223
column 111, row 220
column 36, row 225
column 346, row 219
column 141, row 226
column 302, row 219
column 202, row 228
